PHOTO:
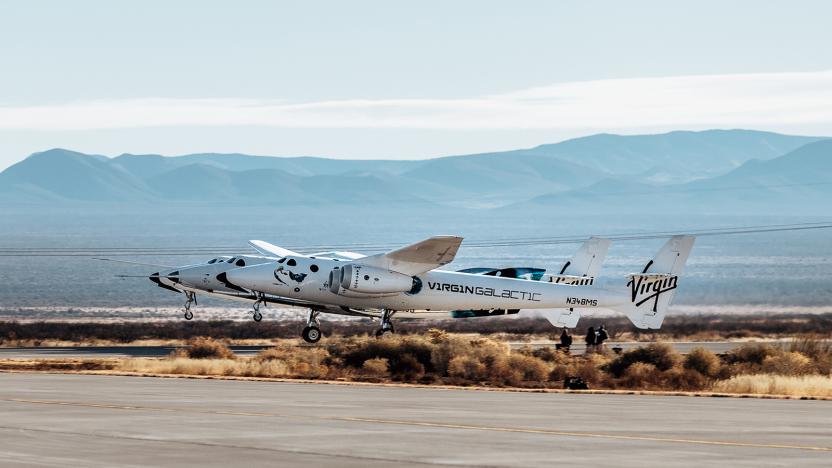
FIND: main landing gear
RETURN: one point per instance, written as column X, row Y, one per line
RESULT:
column 191, row 300
column 386, row 323
column 261, row 299
column 312, row 332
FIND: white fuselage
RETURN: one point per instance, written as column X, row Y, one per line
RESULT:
column 307, row 278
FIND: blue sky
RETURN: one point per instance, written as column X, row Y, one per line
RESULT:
column 401, row 79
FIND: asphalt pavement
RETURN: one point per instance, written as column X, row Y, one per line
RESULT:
column 90, row 420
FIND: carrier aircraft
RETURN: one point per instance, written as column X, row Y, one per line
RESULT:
column 410, row 281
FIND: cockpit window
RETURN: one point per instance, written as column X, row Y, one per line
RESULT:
column 281, row 260
column 241, row 262
column 231, row 260
column 212, row 261
column 291, row 262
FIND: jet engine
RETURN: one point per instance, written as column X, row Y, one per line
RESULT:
column 368, row 280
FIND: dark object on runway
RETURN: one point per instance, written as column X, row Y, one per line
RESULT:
column 575, row 383
column 617, row 349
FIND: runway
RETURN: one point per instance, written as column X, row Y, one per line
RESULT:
column 79, row 352
column 86, row 420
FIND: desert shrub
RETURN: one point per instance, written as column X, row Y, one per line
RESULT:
column 468, row 368
column 685, row 379
column 435, row 335
column 377, row 367
column 531, row 369
column 816, row 348
column 549, row 354
column 394, row 349
column 660, row 355
column 751, row 353
column 787, row 363
column 640, row 375
column 407, row 367
column 559, row 372
column 310, row 363
column 703, row 361
column 207, row 348
column 589, row 368
column 486, row 351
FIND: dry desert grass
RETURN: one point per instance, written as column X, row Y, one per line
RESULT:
column 771, row 384
column 445, row 359
column 440, row 358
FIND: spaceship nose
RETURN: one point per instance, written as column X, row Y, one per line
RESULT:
column 165, row 280
column 191, row 276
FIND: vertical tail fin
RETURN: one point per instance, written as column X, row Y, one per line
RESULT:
column 584, row 265
column 651, row 291
column 581, row 269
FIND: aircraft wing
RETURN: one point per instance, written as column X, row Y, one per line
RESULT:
column 340, row 255
column 270, row 249
column 419, row 257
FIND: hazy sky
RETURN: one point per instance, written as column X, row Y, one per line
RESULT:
column 401, row 79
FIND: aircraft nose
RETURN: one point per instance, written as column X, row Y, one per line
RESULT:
column 191, row 276
column 165, row 280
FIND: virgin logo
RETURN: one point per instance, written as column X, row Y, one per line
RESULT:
column 643, row 288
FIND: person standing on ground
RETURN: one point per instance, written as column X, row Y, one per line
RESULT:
column 590, row 340
column 565, row 340
column 602, row 337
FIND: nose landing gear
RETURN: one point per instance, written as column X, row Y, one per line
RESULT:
column 191, row 300
column 312, row 332
column 386, row 323
column 261, row 299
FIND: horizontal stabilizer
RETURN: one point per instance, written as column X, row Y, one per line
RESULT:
column 562, row 317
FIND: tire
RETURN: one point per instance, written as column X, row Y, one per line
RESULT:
column 258, row 316
column 382, row 332
column 311, row 334
column 189, row 315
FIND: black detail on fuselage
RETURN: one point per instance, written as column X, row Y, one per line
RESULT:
column 485, row 291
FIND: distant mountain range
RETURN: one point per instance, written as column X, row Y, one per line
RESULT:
column 709, row 171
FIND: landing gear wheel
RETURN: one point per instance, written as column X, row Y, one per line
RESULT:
column 191, row 300
column 386, row 324
column 261, row 299
column 311, row 334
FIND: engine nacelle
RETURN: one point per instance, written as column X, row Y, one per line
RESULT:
column 368, row 280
